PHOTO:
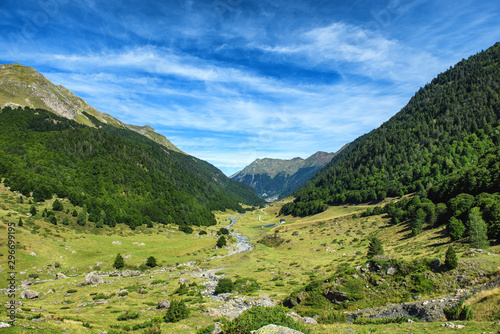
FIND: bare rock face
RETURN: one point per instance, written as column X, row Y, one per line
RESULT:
column 93, row 278
column 275, row 329
column 60, row 276
column 30, row 294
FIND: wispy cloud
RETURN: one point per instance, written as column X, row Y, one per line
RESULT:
column 252, row 79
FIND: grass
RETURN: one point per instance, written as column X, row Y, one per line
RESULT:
column 313, row 247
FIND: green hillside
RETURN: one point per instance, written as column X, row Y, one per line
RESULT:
column 24, row 86
column 444, row 128
column 119, row 175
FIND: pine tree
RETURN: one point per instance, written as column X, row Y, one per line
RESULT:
column 151, row 262
column 20, row 223
column 82, row 216
column 375, row 247
column 221, row 242
column 477, row 229
column 33, row 210
column 57, row 206
column 119, row 262
column 451, row 261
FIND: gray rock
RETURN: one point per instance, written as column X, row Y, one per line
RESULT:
column 436, row 263
column 4, row 325
column 135, row 273
column 217, row 329
column 30, row 294
column 391, row 271
column 60, row 276
column 163, row 304
column 184, row 280
column 274, row 329
column 337, row 297
column 93, row 278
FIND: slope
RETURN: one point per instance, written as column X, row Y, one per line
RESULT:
column 445, row 127
column 24, row 86
column 275, row 178
column 119, row 175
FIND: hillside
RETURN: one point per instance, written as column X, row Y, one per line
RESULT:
column 119, row 175
column 275, row 178
column 445, row 127
column 24, row 86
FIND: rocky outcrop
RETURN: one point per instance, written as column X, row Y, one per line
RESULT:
column 426, row 310
column 275, row 329
column 30, row 294
column 93, row 279
column 163, row 304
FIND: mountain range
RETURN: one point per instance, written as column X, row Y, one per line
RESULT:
column 53, row 143
column 276, row 178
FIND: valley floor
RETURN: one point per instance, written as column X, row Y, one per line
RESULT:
column 190, row 265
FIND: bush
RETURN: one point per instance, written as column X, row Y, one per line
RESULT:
column 176, row 312
column 225, row 285
column 451, row 261
column 246, row 285
column 119, row 262
column 259, row 316
column 151, row 262
column 375, row 247
column 458, row 312
column 221, row 242
column 128, row 316
column 224, row 231
column 57, row 206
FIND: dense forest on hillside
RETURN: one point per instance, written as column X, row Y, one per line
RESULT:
column 445, row 128
column 117, row 174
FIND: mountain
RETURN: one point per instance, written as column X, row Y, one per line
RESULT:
column 119, row 173
column 445, row 127
column 275, row 178
column 24, row 86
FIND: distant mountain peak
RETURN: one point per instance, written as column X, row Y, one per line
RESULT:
column 24, row 86
column 275, row 178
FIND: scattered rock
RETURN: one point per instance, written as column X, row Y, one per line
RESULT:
column 38, row 320
column 141, row 244
column 436, row 263
column 4, row 325
column 275, row 329
column 60, row 276
column 30, row 294
column 93, row 278
column 184, row 280
column 163, row 304
column 217, row 329
column 127, row 256
column 337, row 297
column 135, row 273
column 116, row 243
column 391, row 271
column 33, row 254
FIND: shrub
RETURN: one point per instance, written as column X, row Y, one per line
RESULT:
column 176, row 312
column 259, row 316
column 151, row 262
column 221, row 242
column 33, row 210
column 127, row 316
column 202, row 232
column 57, row 206
column 246, row 285
column 225, row 285
column 375, row 247
column 224, row 231
column 458, row 312
column 119, row 262
column 451, row 261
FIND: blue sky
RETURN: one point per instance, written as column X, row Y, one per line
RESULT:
column 230, row 81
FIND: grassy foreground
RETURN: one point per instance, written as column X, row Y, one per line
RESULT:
column 308, row 248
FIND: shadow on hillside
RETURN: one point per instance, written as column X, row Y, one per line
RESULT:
column 439, row 236
column 406, row 231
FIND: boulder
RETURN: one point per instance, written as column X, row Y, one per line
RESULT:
column 30, row 294
column 163, row 304
column 93, row 278
column 275, row 329
column 4, row 325
column 135, row 273
column 335, row 296
column 60, row 276
column 391, row 271
column 184, row 280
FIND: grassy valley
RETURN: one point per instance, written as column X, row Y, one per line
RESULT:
column 306, row 252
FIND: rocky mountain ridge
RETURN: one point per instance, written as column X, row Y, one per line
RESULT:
column 24, row 86
column 275, row 178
